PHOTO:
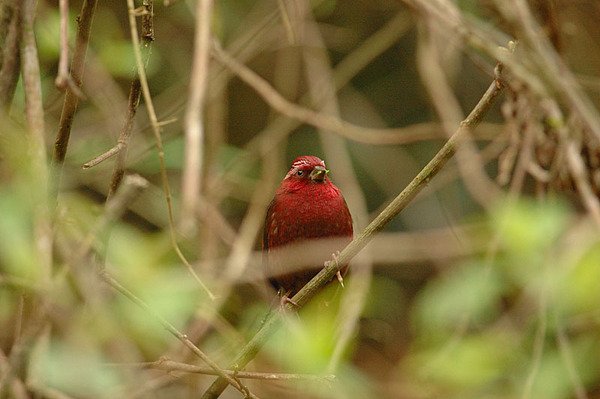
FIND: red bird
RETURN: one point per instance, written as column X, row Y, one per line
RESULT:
column 307, row 206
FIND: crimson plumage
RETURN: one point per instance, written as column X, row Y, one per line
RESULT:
column 306, row 207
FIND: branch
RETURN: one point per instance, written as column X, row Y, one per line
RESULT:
column 174, row 331
column 392, row 210
column 63, row 78
column 71, row 99
column 169, row 365
column 294, row 111
column 34, row 113
column 193, row 122
column 11, row 56
column 115, row 207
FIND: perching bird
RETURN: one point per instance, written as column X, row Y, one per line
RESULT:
column 307, row 207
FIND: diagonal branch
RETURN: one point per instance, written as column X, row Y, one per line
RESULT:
column 391, row 211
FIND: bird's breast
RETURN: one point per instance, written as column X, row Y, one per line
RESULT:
column 296, row 217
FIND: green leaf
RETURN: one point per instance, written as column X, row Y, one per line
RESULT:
column 305, row 344
column 578, row 291
column 77, row 370
column 470, row 295
column 468, row 363
column 528, row 231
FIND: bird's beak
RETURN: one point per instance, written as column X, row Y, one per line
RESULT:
column 318, row 174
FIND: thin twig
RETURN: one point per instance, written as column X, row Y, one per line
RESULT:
column 291, row 110
column 538, row 346
column 470, row 166
column 554, row 68
column 108, row 154
column 125, row 136
column 194, row 117
column 170, row 366
column 575, row 163
column 115, row 207
column 391, row 211
column 159, row 146
column 286, row 22
column 175, row 332
column 566, row 354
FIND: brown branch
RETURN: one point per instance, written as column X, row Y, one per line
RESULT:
column 63, row 78
column 11, row 56
column 554, row 68
column 392, row 210
column 125, row 136
column 71, row 98
column 135, row 92
column 575, row 163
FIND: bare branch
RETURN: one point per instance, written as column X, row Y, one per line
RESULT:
column 193, row 122
column 11, row 57
column 71, row 98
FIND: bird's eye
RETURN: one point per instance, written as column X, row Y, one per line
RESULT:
column 300, row 172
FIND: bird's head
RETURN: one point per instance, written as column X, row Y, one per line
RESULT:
column 307, row 169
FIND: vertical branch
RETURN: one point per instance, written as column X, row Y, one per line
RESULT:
column 193, row 123
column 11, row 56
column 124, row 136
column 135, row 92
column 34, row 113
column 62, row 77
column 71, row 99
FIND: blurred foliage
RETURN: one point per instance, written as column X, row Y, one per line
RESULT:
column 516, row 317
